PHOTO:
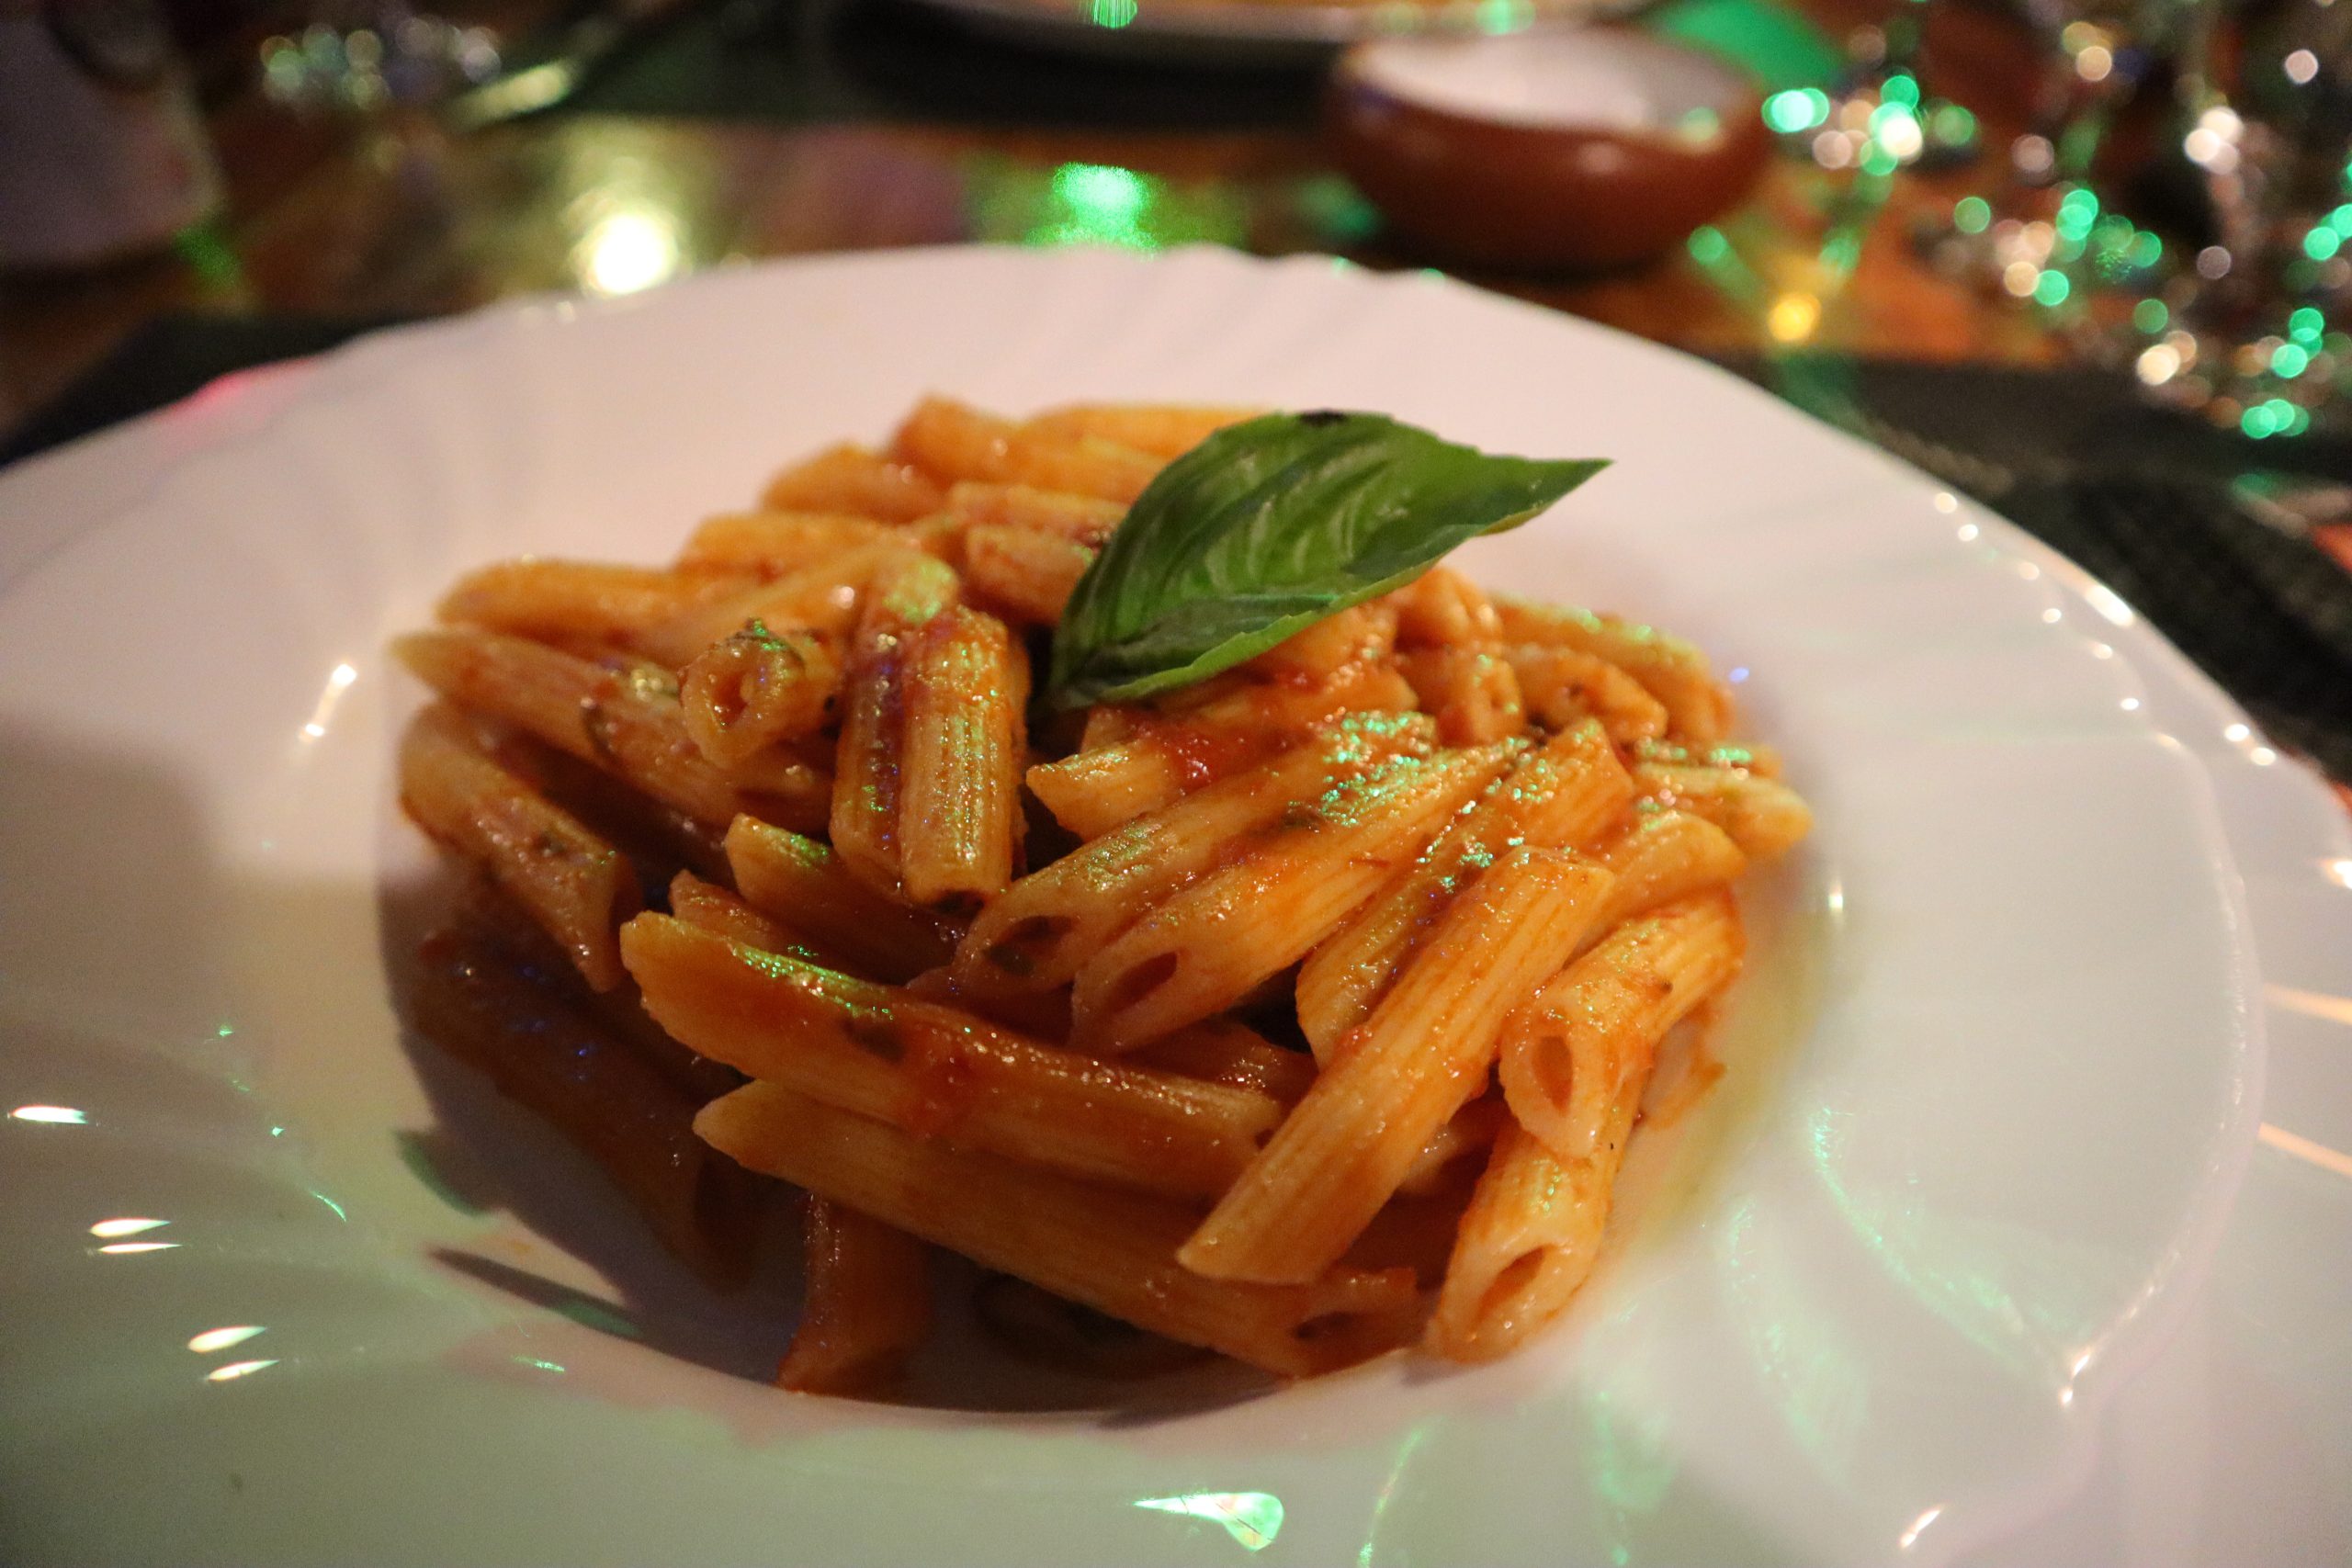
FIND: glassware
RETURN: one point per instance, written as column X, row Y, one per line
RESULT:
column 2253, row 333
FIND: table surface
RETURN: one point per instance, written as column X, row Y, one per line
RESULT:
column 396, row 215
column 400, row 218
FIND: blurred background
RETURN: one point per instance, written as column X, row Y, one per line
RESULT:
column 2078, row 257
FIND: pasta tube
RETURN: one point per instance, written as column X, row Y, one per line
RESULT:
column 746, row 693
column 1208, row 946
column 850, row 478
column 1533, row 1228
column 940, row 1072
column 1028, row 573
column 776, row 543
column 866, row 1307
column 1559, row 798
column 951, row 440
column 1672, row 670
column 1095, row 790
column 1166, row 430
column 800, row 883
column 1423, row 1054
column 964, row 744
column 1038, row 933
column 543, row 1051
column 622, row 718
column 578, row 887
column 1110, row 1250
column 582, row 601
column 864, row 817
column 1764, row 817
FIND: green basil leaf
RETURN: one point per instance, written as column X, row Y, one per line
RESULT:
column 1270, row 525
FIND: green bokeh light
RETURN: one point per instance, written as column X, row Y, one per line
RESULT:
column 2289, row 360
column 1900, row 89
column 2147, row 249
column 2256, row 422
column 1971, row 214
column 2052, row 288
column 2151, row 316
column 2321, row 242
column 2306, row 325
column 1113, row 13
column 1253, row 1518
column 1708, row 245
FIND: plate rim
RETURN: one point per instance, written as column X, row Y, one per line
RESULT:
column 385, row 353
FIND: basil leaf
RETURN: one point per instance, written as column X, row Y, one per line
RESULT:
column 1270, row 525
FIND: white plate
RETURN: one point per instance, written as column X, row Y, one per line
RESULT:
column 1995, row 1074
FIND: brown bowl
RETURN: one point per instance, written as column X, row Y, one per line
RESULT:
column 1583, row 148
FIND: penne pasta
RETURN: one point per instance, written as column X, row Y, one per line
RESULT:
column 707, row 907
column 1210, row 945
column 1472, row 691
column 823, row 601
column 1344, row 1150
column 578, row 887
column 1221, row 1051
column 1358, row 635
column 1566, row 1057
column 1080, row 519
column 964, row 745
column 751, row 691
column 1660, row 856
column 1110, row 1250
column 1166, row 430
column 622, row 718
column 1257, row 1011
column 769, row 544
column 1562, row 685
column 951, row 442
column 1698, row 708
column 853, row 479
column 545, row 1052
column 1027, row 573
column 1039, row 931
column 1442, row 608
column 864, row 820
column 1533, row 1228
column 1097, row 789
column 1560, row 796
column 1765, row 817
column 584, row 601
column 866, row 1306
column 801, row 884
column 940, row 1072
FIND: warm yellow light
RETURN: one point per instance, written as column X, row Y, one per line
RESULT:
column 109, row 1229
column 213, row 1340
column 628, row 251
column 1792, row 317
column 2158, row 362
column 235, row 1369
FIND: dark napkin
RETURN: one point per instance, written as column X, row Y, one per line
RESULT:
column 2196, row 528
column 2164, row 509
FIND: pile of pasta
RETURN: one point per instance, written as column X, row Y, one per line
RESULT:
column 1295, row 1014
